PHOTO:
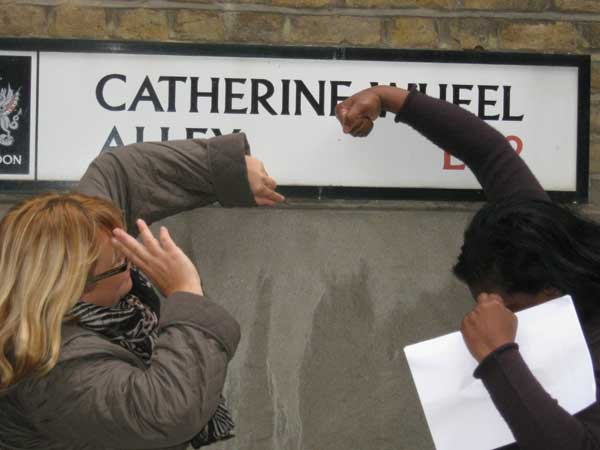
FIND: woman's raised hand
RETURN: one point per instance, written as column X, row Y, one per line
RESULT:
column 488, row 326
column 357, row 113
column 165, row 264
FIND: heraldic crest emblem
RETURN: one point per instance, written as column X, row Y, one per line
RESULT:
column 9, row 116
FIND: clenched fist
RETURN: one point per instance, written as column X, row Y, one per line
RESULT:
column 488, row 326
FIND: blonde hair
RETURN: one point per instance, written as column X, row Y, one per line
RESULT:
column 48, row 246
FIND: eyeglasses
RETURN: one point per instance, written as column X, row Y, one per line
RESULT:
column 109, row 273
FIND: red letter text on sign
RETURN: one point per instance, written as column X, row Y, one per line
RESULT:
column 449, row 165
column 518, row 143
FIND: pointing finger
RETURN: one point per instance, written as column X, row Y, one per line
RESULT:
column 269, row 196
column 264, row 202
column 270, row 182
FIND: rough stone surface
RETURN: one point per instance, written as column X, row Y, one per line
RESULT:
column 473, row 33
column 76, row 21
column 254, row 27
column 260, row 2
column 232, row 2
column 592, row 6
column 334, row 30
column 198, row 26
column 438, row 4
column 595, row 83
column 591, row 33
column 304, row 3
column 539, row 36
column 508, row 5
column 142, row 24
column 413, row 32
column 326, row 304
column 380, row 3
column 430, row 4
column 595, row 117
column 23, row 20
column 595, row 154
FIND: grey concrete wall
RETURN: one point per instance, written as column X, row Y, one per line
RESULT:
column 327, row 297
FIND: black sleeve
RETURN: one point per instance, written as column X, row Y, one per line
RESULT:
column 499, row 170
column 536, row 419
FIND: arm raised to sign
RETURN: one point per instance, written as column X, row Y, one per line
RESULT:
column 499, row 170
column 154, row 180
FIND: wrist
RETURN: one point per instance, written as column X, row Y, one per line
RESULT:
column 492, row 358
column 484, row 353
column 391, row 98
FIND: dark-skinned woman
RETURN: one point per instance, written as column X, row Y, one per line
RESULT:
column 519, row 250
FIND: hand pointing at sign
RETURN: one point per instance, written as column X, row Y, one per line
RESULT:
column 261, row 184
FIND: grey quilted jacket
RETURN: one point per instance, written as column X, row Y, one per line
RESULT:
column 101, row 396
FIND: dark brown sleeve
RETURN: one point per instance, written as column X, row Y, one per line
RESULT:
column 499, row 170
column 158, row 179
column 536, row 420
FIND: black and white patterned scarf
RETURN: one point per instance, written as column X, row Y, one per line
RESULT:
column 133, row 324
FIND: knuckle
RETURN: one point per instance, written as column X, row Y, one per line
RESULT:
column 464, row 325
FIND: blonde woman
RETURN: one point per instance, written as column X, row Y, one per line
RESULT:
column 89, row 356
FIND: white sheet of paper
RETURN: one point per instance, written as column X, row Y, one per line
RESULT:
column 458, row 409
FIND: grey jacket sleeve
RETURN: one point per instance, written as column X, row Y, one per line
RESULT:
column 158, row 179
column 102, row 400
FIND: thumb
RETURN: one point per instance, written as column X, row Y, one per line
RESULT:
column 341, row 112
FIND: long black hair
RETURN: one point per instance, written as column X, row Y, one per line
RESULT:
column 531, row 245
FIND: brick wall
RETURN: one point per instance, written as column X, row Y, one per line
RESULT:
column 561, row 26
